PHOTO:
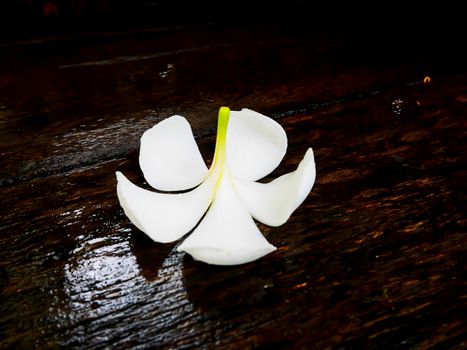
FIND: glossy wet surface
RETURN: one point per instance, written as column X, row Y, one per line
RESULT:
column 373, row 258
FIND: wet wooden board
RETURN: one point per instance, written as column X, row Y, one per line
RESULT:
column 373, row 258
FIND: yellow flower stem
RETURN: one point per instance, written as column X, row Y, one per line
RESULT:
column 219, row 153
column 222, row 122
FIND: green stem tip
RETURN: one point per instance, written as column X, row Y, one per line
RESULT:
column 222, row 123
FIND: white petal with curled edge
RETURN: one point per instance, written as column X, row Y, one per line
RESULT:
column 273, row 203
column 256, row 144
column 164, row 217
column 227, row 235
column 169, row 156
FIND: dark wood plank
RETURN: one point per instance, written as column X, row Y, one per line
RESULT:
column 373, row 258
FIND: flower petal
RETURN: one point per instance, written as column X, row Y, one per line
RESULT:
column 274, row 202
column 256, row 144
column 162, row 216
column 169, row 156
column 227, row 235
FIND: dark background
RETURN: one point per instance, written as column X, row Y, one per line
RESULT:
column 384, row 28
column 433, row 18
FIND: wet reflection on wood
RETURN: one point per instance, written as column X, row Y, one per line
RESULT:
column 373, row 258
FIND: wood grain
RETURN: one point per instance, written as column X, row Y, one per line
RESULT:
column 374, row 258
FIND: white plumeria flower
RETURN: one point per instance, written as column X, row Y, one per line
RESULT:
column 249, row 146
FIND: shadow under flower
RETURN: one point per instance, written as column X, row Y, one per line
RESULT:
column 216, row 292
column 149, row 255
column 222, row 290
